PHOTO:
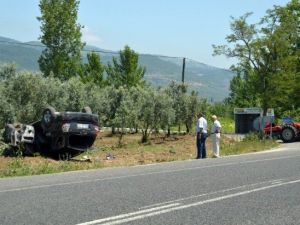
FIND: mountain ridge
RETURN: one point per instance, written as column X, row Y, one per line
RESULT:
column 209, row 81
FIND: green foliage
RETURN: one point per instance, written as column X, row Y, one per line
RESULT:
column 110, row 99
column 246, row 146
column 185, row 105
column 228, row 126
column 62, row 37
column 125, row 113
column 75, row 94
column 294, row 113
column 93, row 70
column 252, row 137
column 268, row 68
column 192, row 108
column 126, row 70
column 143, row 109
column 24, row 96
column 146, row 113
column 242, row 88
column 7, row 71
column 222, row 109
column 6, row 109
column 177, row 92
column 164, row 114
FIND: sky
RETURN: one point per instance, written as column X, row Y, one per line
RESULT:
column 178, row 28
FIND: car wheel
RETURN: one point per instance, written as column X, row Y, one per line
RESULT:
column 288, row 134
column 48, row 117
column 7, row 134
column 41, row 143
column 87, row 109
column 28, row 150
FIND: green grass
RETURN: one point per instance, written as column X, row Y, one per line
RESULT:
column 19, row 166
column 228, row 126
column 246, row 146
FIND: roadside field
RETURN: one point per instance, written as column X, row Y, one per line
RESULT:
column 107, row 153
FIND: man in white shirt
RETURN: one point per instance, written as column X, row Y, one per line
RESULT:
column 201, row 136
column 215, row 135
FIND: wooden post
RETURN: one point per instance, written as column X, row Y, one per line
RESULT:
column 183, row 70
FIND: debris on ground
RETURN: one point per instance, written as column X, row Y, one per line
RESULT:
column 110, row 156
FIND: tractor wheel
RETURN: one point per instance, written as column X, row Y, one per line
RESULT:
column 288, row 134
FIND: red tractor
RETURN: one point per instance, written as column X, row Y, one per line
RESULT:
column 287, row 133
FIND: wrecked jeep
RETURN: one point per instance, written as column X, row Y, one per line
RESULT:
column 19, row 136
column 56, row 132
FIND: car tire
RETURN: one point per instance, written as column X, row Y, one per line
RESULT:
column 28, row 150
column 288, row 134
column 9, row 128
column 87, row 109
column 48, row 117
column 41, row 143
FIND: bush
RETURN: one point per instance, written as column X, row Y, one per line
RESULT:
column 24, row 96
column 252, row 137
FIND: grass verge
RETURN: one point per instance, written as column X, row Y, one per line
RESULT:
column 107, row 153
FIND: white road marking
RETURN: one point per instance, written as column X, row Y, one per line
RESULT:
column 277, row 181
column 129, row 214
column 211, row 193
column 144, row 174
column 181, row 207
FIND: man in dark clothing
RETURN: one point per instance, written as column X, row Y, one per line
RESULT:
column 201, row 136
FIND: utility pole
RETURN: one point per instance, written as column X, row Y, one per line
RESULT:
column 183, row 70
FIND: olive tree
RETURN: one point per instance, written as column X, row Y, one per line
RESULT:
column 164, row 114
column 177, row 92
column 110, row 99
column 146, row 113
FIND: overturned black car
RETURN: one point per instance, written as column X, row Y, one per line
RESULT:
column 56, row 132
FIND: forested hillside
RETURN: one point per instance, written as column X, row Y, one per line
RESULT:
column 209, row 81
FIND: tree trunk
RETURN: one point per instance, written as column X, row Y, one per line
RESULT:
column 145, row 136
column 187, row 128
column 169, row 132
column 120, row 139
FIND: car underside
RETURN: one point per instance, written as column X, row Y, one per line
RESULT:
column 56, row 132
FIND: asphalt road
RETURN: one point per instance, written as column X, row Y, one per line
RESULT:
column 261, row 188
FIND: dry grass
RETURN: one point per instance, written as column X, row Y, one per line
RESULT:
column 107, row 153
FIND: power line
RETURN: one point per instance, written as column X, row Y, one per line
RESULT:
column 86, row 50
column 43, row 46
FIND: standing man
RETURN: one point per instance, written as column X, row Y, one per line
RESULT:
column 215, row 135
column 201, row 136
